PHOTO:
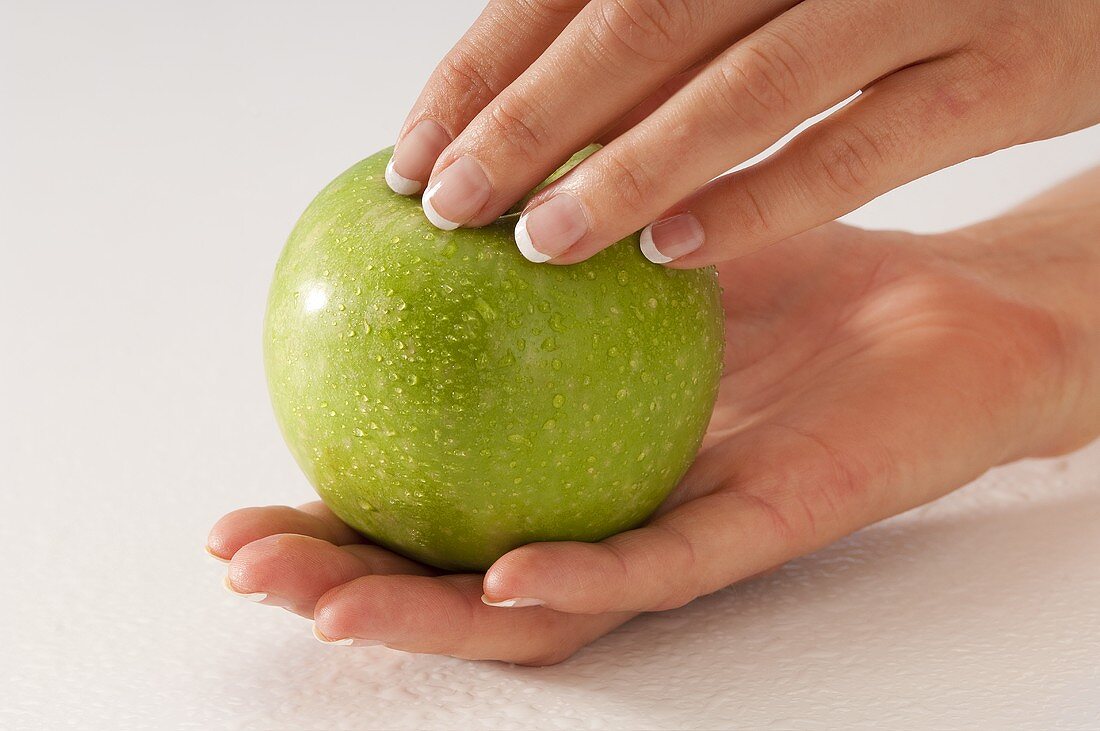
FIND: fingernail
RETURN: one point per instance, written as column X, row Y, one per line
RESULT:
column 671, row 238
column 551, row 228
column 457, row 194
column 516, row 602
column 414, row 157
column 258, row 596
column 347, row 641
column 214, row 556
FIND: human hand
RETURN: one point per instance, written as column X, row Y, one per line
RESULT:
column 683, row 91
column 866, row 373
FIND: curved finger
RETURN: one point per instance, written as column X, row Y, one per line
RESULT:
column 246, row 525
column 803, row 62
column 293, row 571
column 912, row 123
column 657, row 567
column 445, row 616
column 504, row 40
column 782, row 500
column 610, row 58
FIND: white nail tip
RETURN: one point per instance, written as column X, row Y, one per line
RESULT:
column 429, row 211
column 400, row 184
column 526, row 247
column 649, row 250
column 326, row 641
column 518, row 602
column 258, row 596
column 215, row 556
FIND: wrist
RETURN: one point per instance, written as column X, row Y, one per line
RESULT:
column 1048, row 259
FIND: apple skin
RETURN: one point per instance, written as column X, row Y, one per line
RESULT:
column 451, row 401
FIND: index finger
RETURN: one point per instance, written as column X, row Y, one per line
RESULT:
column 504, row 40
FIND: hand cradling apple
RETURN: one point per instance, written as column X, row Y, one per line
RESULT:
column 452, row 401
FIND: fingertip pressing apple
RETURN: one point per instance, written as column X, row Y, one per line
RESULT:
column 457, row 194
column 414, row 155
column 670, row 238
column 523, row 242
column 550, row 229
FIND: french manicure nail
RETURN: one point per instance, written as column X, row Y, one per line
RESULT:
column 258, row 596
column 344, row 642
column 671, row 238
column 214, row 556
column 551, row 228
column 414, row 157
column 516, row 602
column 457, row 194
column 400, row 184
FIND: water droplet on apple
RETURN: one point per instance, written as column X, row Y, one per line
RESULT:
column 520, row 439
column 487, row 313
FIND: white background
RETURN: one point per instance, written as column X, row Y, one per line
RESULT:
column 153, row 157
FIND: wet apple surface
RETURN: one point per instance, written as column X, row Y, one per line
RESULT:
column 451, row 401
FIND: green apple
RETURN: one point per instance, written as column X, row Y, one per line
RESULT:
column 452, row 401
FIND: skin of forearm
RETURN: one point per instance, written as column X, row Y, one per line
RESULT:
column 1047, row 252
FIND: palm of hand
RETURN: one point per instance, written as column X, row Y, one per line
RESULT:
column 855, row 364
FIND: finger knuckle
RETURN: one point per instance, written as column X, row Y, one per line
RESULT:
column 751, row 214
column 760, row 83
column 652, row 30
column 633, row 185
column 846, row 161
column 518, row 122
column 463, row 78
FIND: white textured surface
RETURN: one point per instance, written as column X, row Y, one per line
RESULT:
column 153, row 157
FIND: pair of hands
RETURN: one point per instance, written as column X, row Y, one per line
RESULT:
column 680, row 91
column 866, row 373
